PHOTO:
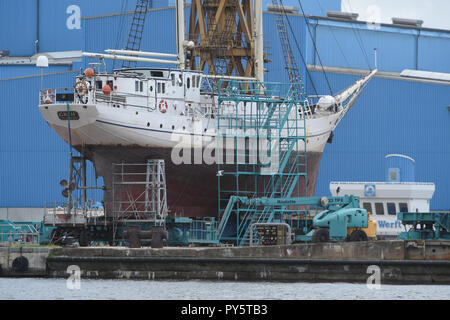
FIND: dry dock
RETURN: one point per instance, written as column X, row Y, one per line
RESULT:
column 400, row 262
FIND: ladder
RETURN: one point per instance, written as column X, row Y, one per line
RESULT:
column 289, row 59
column 137, row 29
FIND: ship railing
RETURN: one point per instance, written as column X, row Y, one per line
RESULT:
column 56, row 95
column 204, row 231
column 58, row 213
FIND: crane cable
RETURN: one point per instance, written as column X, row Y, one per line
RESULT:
column 298, row 47
column 315, row 48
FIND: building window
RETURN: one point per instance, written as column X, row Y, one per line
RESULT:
column 391, row 208
column 367, row 206
column 379, row 208
column 403, row 207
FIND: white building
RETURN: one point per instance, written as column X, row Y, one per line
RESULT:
column 385, row 199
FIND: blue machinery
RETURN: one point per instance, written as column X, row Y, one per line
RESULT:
column 425, row 226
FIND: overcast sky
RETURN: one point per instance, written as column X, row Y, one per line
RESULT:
column 434, row 13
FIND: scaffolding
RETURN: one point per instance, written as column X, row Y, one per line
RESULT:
column 139, row 193
column 222, row 31
column 261, row 153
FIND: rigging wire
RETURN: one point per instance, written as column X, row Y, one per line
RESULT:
column 334, row 36
column 359, row 40
column 298, row 47
column 315, row 48
column 121, row 27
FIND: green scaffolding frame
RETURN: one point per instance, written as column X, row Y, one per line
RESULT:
column 261, row 152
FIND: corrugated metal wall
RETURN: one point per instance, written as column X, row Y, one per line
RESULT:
column 390, row 117
column 13, row 71
column 111, row 32
column 59, row 22
column 434, row 51
column 276, row 71
column 342, row 44
column 33, row 159
column 18, row 26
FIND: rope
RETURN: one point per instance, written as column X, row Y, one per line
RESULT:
column 315, row 49
column 360, row 41
column 298, row 47
column 121, row 24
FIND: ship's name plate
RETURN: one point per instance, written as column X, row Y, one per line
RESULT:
column 64, row 115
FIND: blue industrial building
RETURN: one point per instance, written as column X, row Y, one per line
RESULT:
column 396, row 114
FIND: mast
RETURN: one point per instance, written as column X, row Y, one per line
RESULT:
column 180, row 34
column 259, row 42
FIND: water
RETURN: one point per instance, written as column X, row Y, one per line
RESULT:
column 56, row 289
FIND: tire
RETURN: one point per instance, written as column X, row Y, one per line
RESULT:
column 20, row 264
column 320, row 235
column 358, row 235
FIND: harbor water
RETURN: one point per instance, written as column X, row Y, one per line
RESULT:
column 62, row 289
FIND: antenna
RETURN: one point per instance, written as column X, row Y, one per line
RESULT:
column 376, row 58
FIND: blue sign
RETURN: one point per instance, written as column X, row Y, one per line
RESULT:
column 370, row 191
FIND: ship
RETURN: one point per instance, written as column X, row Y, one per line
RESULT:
column 132, row 115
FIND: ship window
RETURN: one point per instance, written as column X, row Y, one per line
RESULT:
column 198, row 81
column 180, row 80
column 172, row 76
column 391, row 208
column 158, row 74
column 142, row 86
column 188, row 83
column 163, row 88
column 403, row 207
column 151, row 88
column 99, row 85
column 367, row 206
column 159, row 87
column 379, row 208
column 110, row 83
column 136, row 86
